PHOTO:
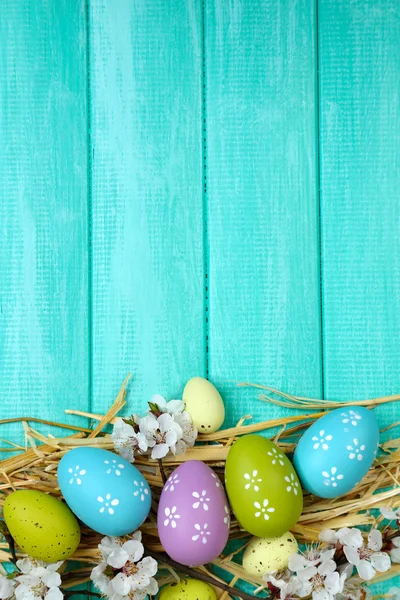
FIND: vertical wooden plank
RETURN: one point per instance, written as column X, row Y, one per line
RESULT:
column 148, row 277
column 360, row 207
column 43, row 211
column 264, row 323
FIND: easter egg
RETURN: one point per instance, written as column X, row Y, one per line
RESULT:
column 104, row 490
column 193, row 515
column 335, row 453
column 266, row 555
column 262, row 486
column 204, row 404
column 187, row 589
column 41, row 525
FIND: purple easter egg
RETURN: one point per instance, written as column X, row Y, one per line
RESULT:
column 193, row 515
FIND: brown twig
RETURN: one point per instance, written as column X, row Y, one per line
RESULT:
column 161, row 557
column 161, row 466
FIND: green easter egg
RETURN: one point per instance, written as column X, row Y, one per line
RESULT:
column 41, row 525
column 204, row 404
column 266, row 555
column 187, row 589
column 262, row 486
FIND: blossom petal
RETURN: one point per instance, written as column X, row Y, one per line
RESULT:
column 365, row 570
column 388, row 513
column 159, row 451
column 51, row 579
column 352, row 555
column 381, row 561
column 327, row 567
column 375, row 539
column 54, row 593
column 353, row 538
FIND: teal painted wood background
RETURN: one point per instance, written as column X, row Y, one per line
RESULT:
column 198, row 188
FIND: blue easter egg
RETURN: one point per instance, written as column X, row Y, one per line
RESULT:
column 104, row 490
column 335, row 453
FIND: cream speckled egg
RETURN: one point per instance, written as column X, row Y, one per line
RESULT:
column 204, row 404
column 187, row 589
column 265, row 555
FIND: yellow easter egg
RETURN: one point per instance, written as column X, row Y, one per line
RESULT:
column 266, row 555
column 41, row 525
column 204, row 404
column 187, row 589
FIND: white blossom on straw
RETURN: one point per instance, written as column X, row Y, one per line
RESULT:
column 127, row 441
column 173, row 407
column 189, row 433
column 162, row 433
column 311, row 557
column 367, row 558
column 395, row 551
column 288, row 585
column 7, row 586
column 390, row 514
column 39, row 580
column 332, row 537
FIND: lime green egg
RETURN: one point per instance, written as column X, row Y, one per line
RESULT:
column 187, row 589
column 204, row 404
column 262, row 486
column 41, row 525
column 266, row 555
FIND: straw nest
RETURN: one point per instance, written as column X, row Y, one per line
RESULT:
column 36, row 468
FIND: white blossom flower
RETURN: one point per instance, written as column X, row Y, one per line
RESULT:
column 356, row 450
column 38, row 580
column 252, row 480
column 390, row 514
column 123, row 573
column 322, row 440
column 368, row 559
column 395, row 551
column 200, row 500
column 162, row 433
column 310, row 557
column 323, row 582
column 189, row 433
column 127, row 441
column 329, row 536
column 173, row 407
column 263, row 509
column 288, row 586
column 7, row 586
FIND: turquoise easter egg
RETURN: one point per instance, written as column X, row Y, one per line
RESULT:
column 335, row 453
column 104, row 490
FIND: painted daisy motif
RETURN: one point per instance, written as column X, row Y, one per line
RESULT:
column 252, row 481
column 263, row 510
column 141, row 489
column 107, row 504
column 170, row 517
column 172, row 481
column 202, row 533
column 76, row 475
column 356, row 450
column 321, row 440
column 200, row 499
column 332, row 477
column 292, row 484
column 350, row 416
column 114, row 467
column 277, row 457
column 227, row 517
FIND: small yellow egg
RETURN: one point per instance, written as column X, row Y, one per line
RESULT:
column 41, row 525
column 204, row 404
column 265, row 555
column 187, row 589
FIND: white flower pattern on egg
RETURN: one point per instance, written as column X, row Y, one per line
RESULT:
column 252, row 481
column 217, row 483
column 356, row 450
column 293, row 485
column 76, row 475
column 276, row 457
column 202, row 534
column 142, row 490
column 173, row 480
column 227, row 518
column 171, row 516
column 201, row 500
column 351, row 417
column 107, row 504
column 263, row 509
column 114, row 467
column 332, row 478
column 321, row 440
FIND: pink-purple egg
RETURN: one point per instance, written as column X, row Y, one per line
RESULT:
column 193, row 515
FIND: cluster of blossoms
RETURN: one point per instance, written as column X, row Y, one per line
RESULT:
column 166, row 427
column 123, row 572
column 34, row 580
column 325, row 572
